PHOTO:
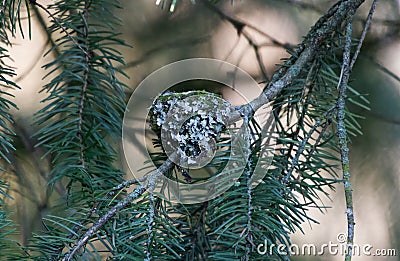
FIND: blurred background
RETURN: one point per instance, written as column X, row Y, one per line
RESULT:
column 159, row 37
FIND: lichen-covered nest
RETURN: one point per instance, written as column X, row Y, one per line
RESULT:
column 190, row 119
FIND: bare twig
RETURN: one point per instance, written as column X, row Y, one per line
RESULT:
column 347, row 66
column 256, row 49
column 343, row 139
column 363, row 34
column 240, row 27
column 304, row 5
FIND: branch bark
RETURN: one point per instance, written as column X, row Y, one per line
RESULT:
column 347, row 67
column 343, row 139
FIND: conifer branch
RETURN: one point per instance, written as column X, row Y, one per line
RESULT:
column 125, row 184
column 139, row 190
column 8, row 248
column 150, row 229
column 152, row 179
column 343, row 138
column 249, row 237
column 298, row 129
column 85, row 32
column 248, row 172
column 347, row 66
column 306, row 52
column 325, row 121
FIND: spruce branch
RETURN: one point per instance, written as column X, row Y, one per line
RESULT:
column 308, row 50
column 85, row 32
column 150, row 227
column 299, row 126
column 249, row 236
column 248, row 172
column 284, row 78
column 325, row 121
column 86, row 100
column 343, row 139
column 363, row 34
column 151, row 181
column 78, row 227
column 139, row 190
column 300, row 150
column 8, row 247
column 347, row 66
column 84, row 106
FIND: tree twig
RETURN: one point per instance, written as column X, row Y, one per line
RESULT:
column 240, row 27
column 307, row 51
column 35, row 3
column 363, row 34
column 152, row 179
column 343, row 139
column 347, row 66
